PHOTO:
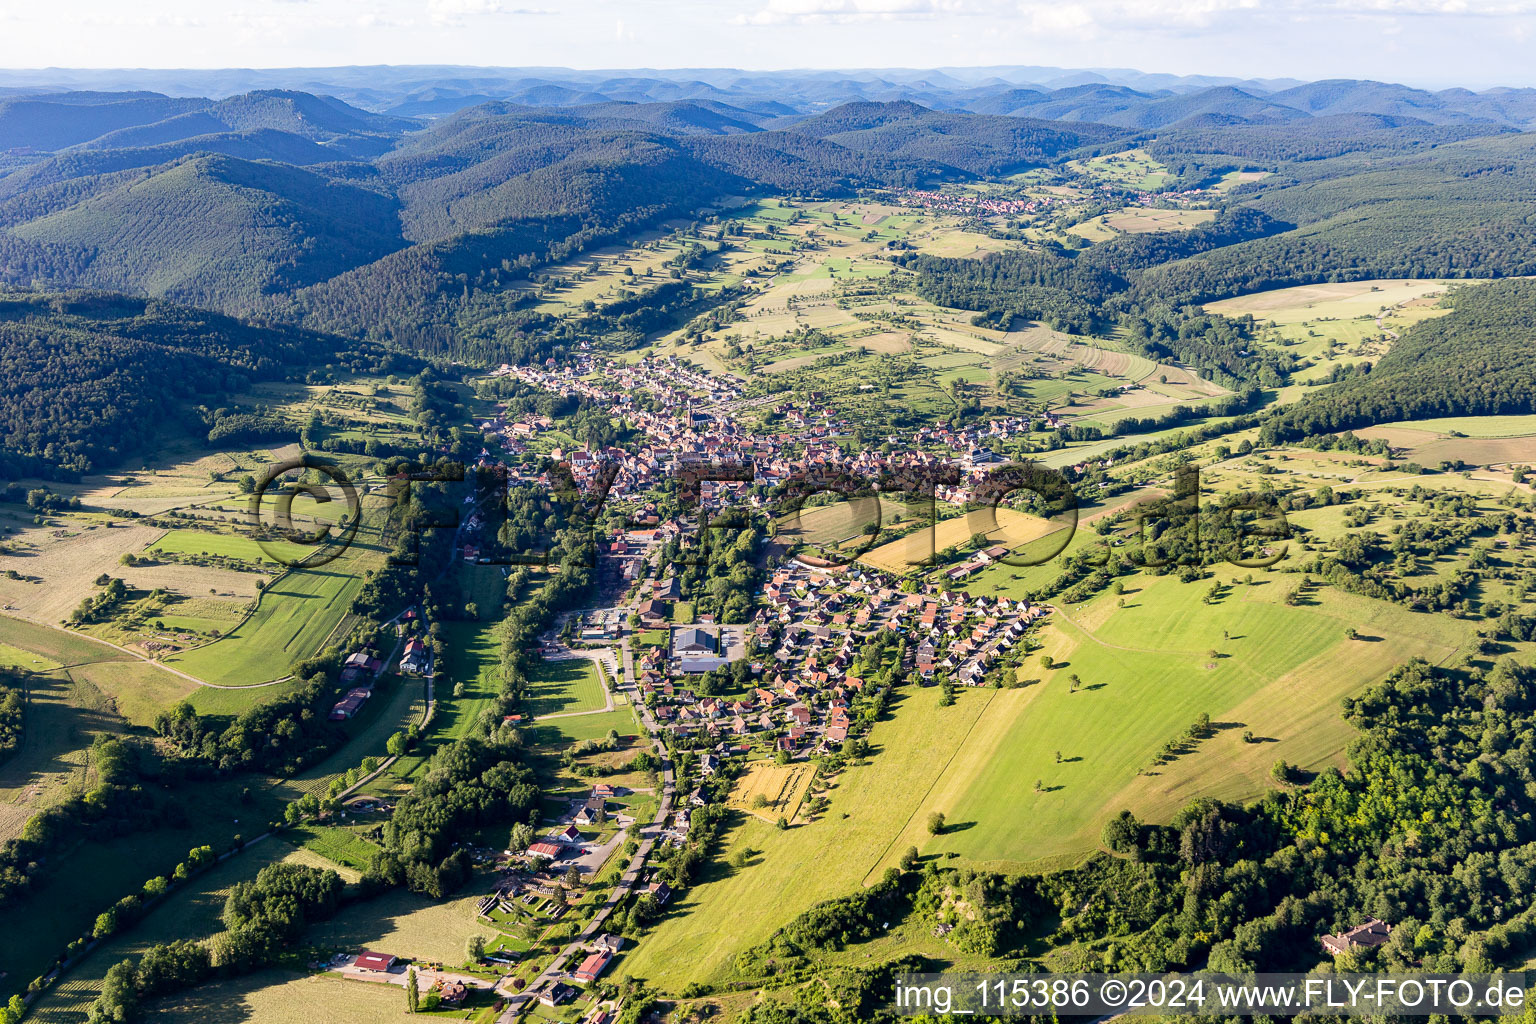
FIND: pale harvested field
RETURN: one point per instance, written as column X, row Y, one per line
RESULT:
column 68, row 565
column 885, row 343
column 842, row 521
column 1142, row 220
column 280, row 997
column 1492, row 440
column 1004, row 526
column 193, row 581
column 783, row 785
column 405, row 924
column 1341, row 300
column 962, row 243
column 1180, row 383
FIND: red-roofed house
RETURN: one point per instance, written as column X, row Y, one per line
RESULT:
column 592, row 966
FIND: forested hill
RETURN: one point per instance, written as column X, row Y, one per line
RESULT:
column 1478, row 360
column 304, row 208
column 398, row 242
column 1459, row 210
column 107, row 121
column 88, row 377
column 978, row 143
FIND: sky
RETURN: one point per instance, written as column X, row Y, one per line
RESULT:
column 1431, row 43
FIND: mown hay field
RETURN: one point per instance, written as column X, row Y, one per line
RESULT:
column 782, row 785
column 1005, row 526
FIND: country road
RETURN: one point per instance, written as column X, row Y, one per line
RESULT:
column 517, row 1002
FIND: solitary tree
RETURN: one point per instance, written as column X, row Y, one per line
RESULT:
column 474, row 949
column 412, row 997
column 935, row 823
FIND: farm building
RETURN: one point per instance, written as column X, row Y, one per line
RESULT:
column 370, row 961
column 349, row 705
column 452, row 991
column 592, row 966
column 360, row 663
column 548, row 851
column 592, row 812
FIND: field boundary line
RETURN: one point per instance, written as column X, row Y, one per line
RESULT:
column 147, row 660
column 991, row 694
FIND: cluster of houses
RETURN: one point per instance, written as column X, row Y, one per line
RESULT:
column 360, row 669
column 567, row 841
column 971, row 205
column 804, row 641
column 686, row 422
column 816, row 616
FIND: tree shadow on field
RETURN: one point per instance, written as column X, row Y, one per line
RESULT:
column 951, row 827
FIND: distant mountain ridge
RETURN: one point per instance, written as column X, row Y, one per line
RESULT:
column 1107, row 95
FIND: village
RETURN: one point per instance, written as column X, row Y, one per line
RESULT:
column 687, row 422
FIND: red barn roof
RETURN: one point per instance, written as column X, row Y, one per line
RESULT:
column 374, row 961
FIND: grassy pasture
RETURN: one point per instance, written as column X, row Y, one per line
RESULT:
column 564, row 732
column 91, row 876
column 192, row 912
column 294, row 616
column 405, row 924
column 564, row 686
column 136, row 690
column 1147, row 673
column 280, row 997
column 228, row 545
column 292, row 620
column 1132, row 169
column 731, row 909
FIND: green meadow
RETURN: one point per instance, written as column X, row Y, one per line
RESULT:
column 227, row 545
column 564, row 686
column 1146, row 673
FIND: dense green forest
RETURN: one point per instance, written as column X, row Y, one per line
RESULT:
column 90, row 377
column 1480, row 360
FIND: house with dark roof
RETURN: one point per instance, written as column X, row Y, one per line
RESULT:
column 1362, row 936
column 693, row 640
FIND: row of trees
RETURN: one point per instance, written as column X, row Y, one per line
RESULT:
column 262, row 917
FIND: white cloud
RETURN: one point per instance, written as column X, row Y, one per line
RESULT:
column 456, row 12
column 840, row 12
column 1051, row 17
